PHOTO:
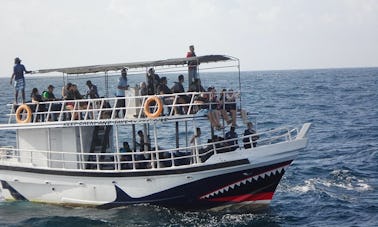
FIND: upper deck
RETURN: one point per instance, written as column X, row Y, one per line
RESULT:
column 103, row 111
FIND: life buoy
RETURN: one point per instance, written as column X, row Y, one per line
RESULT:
column 21, row 108
column 147, row 104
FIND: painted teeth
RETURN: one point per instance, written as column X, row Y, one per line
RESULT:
column 244, row 181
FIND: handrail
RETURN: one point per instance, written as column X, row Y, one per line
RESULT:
column 134, row 161
column 106, row 109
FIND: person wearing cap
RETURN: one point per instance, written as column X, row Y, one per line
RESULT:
column 19, row 79
column 49, row 96
column 121, row 88
column 92, row 90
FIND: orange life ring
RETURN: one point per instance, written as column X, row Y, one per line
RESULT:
column 21, row 108
column 147, row 104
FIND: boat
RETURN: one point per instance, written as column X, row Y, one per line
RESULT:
column 74, row 157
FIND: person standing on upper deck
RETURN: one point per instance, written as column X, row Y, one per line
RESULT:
column 192, row 66
column 19, row 79
column 121, row 88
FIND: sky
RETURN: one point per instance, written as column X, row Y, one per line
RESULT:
column 263, row 34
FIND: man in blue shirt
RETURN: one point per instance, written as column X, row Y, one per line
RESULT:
column 19, row 79
column 121, row 88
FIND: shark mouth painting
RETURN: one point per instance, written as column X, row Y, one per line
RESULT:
column 251, row 188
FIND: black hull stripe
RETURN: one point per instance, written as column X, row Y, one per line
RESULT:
column 126, row 174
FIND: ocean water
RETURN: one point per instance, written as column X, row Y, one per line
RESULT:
column 333, row 182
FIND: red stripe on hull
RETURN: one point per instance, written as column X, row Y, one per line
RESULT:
column 245, row 197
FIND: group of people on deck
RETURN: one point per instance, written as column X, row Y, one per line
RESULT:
column 217, row 106
column 227, row 143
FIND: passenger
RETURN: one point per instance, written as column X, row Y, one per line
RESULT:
column 202, row 99
column 231, row 105
column 196, row 86
column 164, row 90
column 247, row 140
column 232, row 138
column 106, row 112
column 74, row 94
column 126, row 156
column 222, row 106
column 182, row 99
column 65, row 90
column 192, row 66
column 178, row 86
column 153, row 81
column 39, row 106
column 19, row 79
column 143, row 89
column 213, row 113
column 121, row 88
column 92, row 90
column 49, row 96
column 143, row 145
column 126, row 148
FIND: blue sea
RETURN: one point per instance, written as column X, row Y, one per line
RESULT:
column 333, row 182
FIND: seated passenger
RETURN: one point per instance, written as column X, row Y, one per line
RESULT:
column 106, row 112
column 213, row 112
column 182, row 99
column 38, row 107
column 126, row 156
column 232, row 139
column 247, row 140
column 231, row 105
column 74, row 94
column 196, row 86
column 164, row 90
column 65, row 90
column 49, row 96
column 222, row 106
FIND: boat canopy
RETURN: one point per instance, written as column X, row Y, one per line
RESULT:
column 134, row 65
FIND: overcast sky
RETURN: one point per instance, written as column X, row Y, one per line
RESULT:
column 264, row 34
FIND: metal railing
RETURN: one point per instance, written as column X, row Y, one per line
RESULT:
column 135, row 161
column 177, row 105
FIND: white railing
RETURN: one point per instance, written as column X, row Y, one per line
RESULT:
column 107, row 109
column 135, row 161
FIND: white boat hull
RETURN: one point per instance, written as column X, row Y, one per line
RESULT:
column 250, row 180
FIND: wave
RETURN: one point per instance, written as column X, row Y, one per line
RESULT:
column 341, row 182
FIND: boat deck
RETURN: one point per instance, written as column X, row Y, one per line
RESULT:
column 156, row 159
column 103, row 111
